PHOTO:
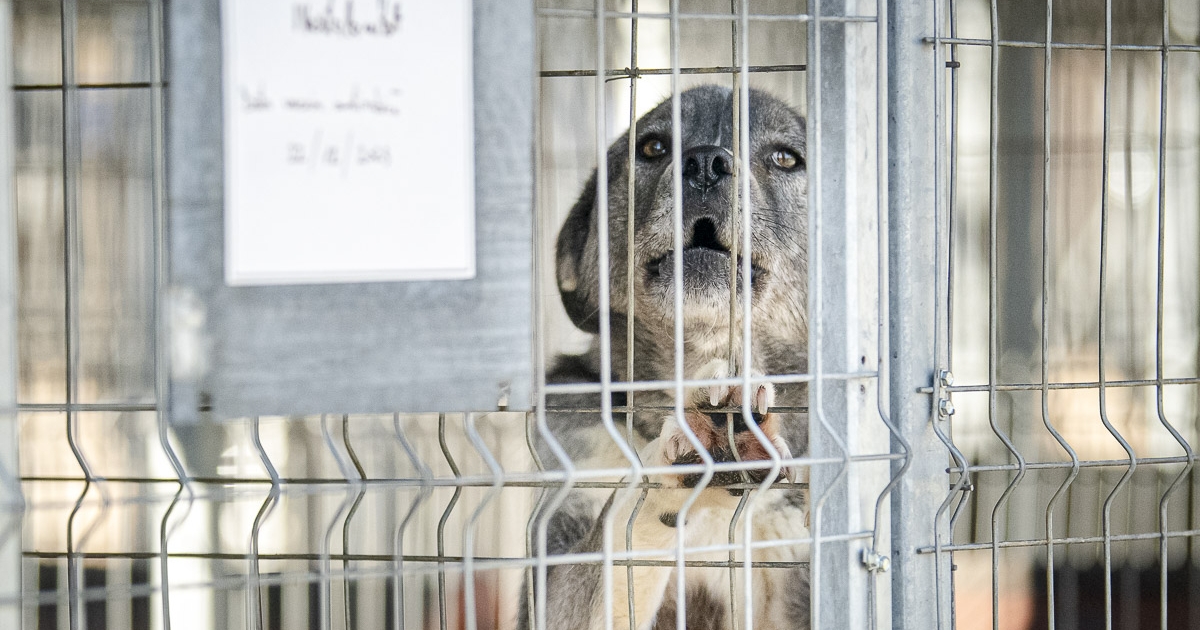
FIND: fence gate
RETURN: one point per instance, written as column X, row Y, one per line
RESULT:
column 991, row 405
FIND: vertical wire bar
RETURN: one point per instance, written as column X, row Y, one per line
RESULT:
column 1047, row 73
column 530, row 586
column 539, row 382
column 72, row 157
column 605, row 295
column 471, row 527
column 254, row 600
column 994, row 310
column 544, row 509
column 441, row 529
column 962, row 487
column 815, row 319
column 548, row 509
column 12, row 506
column 677, row 240
column 353, row 484
column 952, row 180
column 539, row 519
column 630, row 302
column 1131, row 580
column 1163, row 541
column 946, row 298
column 1045, row 332
column 630, row 222
column 677, row 212
column 362, row 476
column 749, row 391
column 161, row 376
column 1106, row 517
column 739, row 174
column 735, row 201
column 398, row 536
column 813, row 81
column 71, row 166
column 741, row 215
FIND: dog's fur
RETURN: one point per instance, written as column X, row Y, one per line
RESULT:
column 778, row 190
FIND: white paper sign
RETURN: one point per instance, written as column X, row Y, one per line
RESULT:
column 349, row 140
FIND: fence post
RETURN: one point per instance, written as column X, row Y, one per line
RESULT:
column 917, row 219
column 843, row 332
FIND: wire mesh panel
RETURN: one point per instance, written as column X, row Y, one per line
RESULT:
column 713, row 440
column 1073, row 339
column 658, row 351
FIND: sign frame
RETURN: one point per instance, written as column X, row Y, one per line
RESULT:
column 365, row 347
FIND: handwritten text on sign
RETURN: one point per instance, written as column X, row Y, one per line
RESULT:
column 348, row 140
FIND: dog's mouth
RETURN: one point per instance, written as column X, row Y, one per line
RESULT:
column 705, row 263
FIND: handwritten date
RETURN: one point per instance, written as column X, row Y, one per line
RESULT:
column 343, row 155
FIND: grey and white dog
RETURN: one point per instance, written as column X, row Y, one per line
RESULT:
column 575, row 594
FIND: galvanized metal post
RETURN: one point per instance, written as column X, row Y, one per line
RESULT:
column 842, row 166
column 917, row 276
column 11, row 502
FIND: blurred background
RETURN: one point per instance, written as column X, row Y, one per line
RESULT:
column 1062, row 194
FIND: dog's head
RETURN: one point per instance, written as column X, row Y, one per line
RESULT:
column 778, row 186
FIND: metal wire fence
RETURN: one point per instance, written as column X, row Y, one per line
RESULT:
column 1072, row 257
column 982, row 274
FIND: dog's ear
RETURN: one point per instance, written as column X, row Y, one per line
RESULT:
column 576, row 290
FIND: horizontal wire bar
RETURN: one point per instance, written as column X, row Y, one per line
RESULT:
column 1075, row 540
column 536, row 479
column 50, row 87
column 510, row 561
column 492, row 562
column 640, row 407
column 720, row 17
column 1083, row 463
column 47, row 597
column 627, row 72
column 86, row 407
column 1013, row 387
column 642, row 386
column 968, row 41
column 326, row 487
column 132, row 407
column 447, row 482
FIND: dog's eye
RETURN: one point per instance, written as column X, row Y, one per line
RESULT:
column 785, row 159
column 654, row 148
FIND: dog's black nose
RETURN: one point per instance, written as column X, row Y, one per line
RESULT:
column 704, row 167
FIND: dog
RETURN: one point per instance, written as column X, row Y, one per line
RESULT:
column 576, row 523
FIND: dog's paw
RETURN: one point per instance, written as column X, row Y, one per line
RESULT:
column 730, row 396
column 720, row 428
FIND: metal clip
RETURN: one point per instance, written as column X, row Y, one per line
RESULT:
column 876, row 562
column 944, row 405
